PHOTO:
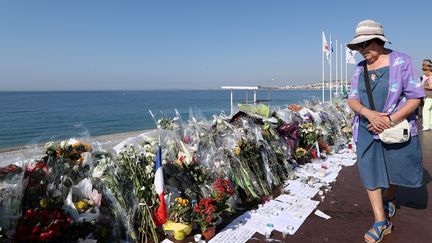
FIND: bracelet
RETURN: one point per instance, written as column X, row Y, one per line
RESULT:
column 360, row 110
column 391, row 122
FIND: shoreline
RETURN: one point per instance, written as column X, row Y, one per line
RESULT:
column 114, row 138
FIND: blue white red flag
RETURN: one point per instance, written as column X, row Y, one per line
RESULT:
column 160, row 214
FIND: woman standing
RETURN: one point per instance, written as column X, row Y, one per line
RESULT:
column 427, row 85
column 396, row 91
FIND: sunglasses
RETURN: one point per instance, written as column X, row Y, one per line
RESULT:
column 364, row 44
column 426, row 69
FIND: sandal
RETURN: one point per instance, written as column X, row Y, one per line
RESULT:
column 389, row 207
column 385, row 230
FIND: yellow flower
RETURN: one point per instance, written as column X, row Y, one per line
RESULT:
column 80, row 205
column 43, row 203
column 185, row 202
column 237, row 151
column 300, row 152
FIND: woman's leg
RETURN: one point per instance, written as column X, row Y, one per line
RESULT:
column 427, row 114
column 376, row 200
column 430, row 111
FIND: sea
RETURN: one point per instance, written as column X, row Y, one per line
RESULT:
column 36, row 117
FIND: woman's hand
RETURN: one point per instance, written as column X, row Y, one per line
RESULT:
column 378, row 121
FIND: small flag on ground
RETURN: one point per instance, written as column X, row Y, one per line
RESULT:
column 160, row 214
column 318, row 149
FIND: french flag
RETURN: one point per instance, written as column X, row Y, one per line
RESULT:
column 160, row 214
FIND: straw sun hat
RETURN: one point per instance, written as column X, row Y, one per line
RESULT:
column 367, row 30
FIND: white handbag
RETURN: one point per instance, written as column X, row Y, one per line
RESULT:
column 400, row 133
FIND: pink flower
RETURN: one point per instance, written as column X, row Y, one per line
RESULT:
column 186, row 139
column 96, row 197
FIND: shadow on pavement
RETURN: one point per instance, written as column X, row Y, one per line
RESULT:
column 416, row 198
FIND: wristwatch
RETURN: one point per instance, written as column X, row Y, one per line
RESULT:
column 391, row 122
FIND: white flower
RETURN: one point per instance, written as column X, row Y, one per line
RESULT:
column 149, row 169
column 150, row 156
column 63, row 144
column 147, row 147
column 75, row 168
column 49, row 145
column 98, row 171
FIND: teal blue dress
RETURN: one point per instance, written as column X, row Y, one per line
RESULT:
column 380, row 164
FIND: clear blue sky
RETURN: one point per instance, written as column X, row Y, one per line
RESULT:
column 189, row 44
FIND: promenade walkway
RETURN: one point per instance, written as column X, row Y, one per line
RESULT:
column 352, row 216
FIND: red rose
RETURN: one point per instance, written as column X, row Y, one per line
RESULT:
column 29, row 213
column 48, row 235
column 208, row 219
column 36, row 229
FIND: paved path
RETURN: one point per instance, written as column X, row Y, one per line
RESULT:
column 349, row 207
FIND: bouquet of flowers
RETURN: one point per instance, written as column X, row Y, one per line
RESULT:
column 41, row 224
column 222, row 192
column 117, row 194
column 294, row 107
column 83, row 202
column 347, row 131
column 309, row 134
column 290, row 133
column 206, row 212
column 180, row 218
column 138, row 168
column 12, row 185
column 167, row 120
column 181, row 211
column 198, row 173
column 69, row 163
column 301, row 155
column 166, row 123
column 249, row 155
column 9, row 171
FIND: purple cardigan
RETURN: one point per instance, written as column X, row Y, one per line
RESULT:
column 404, row 83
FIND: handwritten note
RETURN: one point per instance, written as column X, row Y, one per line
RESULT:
column 300, row 190
column 237, row 235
